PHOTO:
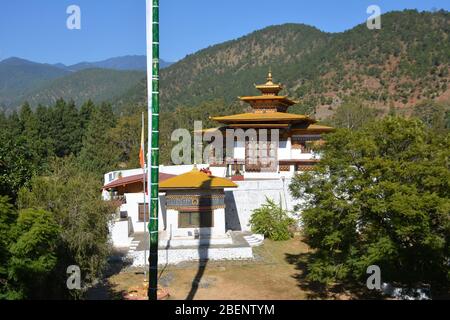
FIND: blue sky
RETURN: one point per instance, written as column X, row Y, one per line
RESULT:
column 36, row 29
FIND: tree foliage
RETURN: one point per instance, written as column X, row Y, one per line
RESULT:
column 353, row 114
column 380, row 196
column 28, row 243
column 74, row 200
column 433, row 114
column 272, row 221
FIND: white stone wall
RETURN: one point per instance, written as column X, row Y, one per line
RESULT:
column 251, row 195
column 119, row 234
column 284, row 150
column 132, row 208
column 175, row 256
column 239, row 150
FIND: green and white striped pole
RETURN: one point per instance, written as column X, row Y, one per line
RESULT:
column 152, row 15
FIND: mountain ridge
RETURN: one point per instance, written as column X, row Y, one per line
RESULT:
column 405, row 62
column 124, row 63
column 401, row 64
column 22, row 79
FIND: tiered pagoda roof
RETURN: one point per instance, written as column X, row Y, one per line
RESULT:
column 269, row 110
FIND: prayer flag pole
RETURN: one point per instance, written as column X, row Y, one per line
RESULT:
column 152, row 14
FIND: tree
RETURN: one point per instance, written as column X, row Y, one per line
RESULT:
column 352, row 114
column 433, row 114
column 44, row 143
column 379, row 196
column 99, row 155
column 28, row 242
column 272, row 221
column 17, row 164
column 125, row 137
column 8, row 217
column 86, row 112
column 33, row 253
column 74, row 199
column 66, row 128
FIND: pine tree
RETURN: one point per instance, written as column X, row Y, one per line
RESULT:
column 99, row 155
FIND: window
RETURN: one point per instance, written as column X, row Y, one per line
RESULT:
column 195, row 219
column 141, row 212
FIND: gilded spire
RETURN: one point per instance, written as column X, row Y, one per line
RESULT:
column 269, row 77
column 269, row 88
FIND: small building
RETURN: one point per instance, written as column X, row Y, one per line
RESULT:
column 128, row 187
column 192, row 218
column 195, row 204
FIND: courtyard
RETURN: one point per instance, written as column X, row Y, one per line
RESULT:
column 277, row 272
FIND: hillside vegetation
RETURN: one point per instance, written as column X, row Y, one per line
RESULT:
column 90, row 84
column 403, row 63
column 18, row 77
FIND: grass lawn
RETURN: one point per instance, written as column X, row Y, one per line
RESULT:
column 276, row 273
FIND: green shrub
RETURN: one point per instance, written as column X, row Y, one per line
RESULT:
column 272, row 221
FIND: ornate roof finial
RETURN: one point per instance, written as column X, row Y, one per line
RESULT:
column 269, row 88
column 269, row 77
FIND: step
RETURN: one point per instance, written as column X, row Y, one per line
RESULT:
column 254, row 240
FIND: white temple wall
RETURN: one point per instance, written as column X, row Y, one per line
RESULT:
column 251, row 195
column 217, row 230
column 132, row 208
column 284, row 150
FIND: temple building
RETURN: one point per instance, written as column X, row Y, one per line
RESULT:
column 205, row 209
column 195, row 204
column 193, row 216
column 286, row 153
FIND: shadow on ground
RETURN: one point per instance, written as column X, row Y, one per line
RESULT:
column 204, row 247
column 104, row 290
column 316, row 290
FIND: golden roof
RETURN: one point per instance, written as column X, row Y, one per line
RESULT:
column 320, row 127
column 267, row 116
column 313, row 127
column 283, row 99
column 259, row 125
column 196, row 179
column 210, row 130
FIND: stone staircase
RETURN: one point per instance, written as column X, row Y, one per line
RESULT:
column 254, row 240
column 133, row 246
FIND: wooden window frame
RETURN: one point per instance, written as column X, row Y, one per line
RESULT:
column 195, row 226
column 141, row 212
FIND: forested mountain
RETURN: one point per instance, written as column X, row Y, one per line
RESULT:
column 94, row 84
column 406, row 61
column 134, row 62
column 19, row 76
column 22, row 80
